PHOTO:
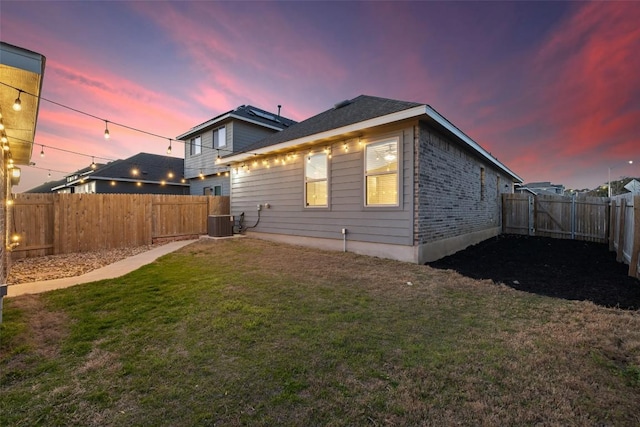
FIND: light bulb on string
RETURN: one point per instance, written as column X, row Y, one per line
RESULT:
column 93, row 163
column 17, row 104
column 169, row 147
column 218, row 158
column 49, row 174
column 106, row 130
column 1, row 126
column 42, row 151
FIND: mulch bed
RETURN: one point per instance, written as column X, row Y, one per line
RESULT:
column 568, row 269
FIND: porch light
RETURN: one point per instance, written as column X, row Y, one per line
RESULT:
column 15, row 175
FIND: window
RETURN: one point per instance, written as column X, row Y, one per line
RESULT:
column 381, row 173
column 206, row 191
column 217, row 190
column 315, row 180
column 195, row 146
column 220, row 137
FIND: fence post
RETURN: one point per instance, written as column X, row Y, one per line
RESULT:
column 635, row 247
column 620, row 252
column 573, row 217
column 532, row 231
column 612, row 224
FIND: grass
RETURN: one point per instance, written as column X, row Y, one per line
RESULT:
column 247, row 332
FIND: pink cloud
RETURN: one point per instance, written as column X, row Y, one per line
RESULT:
column 592, row 92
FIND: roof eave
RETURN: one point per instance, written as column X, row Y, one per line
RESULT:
column 409, row 113
column 218, row 121
column 355, row 127
column 470, row 142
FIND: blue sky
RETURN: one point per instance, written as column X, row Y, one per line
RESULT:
column 550, row 88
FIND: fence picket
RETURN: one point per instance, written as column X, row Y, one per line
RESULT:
column 67, row 223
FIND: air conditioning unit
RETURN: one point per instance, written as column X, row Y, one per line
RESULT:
column 220, row 226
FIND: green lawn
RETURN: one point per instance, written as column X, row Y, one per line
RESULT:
column 247, row 332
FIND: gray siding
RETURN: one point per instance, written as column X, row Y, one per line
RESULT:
column 198, row 185
column 282, row 186
column 245, row 134
column 205, row 161
column 450, row 200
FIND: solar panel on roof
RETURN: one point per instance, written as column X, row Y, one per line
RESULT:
column 265, row 115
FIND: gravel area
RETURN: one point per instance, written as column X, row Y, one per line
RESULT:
column 68, row 265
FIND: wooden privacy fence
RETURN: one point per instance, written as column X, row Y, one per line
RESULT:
column 51, row 224
column 561, row 217
column 580, row 218
column 625, row 231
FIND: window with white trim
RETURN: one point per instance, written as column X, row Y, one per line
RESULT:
column 220, row 137
column 316, row 184
column 195, row 146
column 381, row 173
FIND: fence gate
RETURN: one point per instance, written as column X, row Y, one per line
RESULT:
column 561, row 217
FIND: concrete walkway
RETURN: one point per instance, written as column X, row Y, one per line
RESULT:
column 110, row 271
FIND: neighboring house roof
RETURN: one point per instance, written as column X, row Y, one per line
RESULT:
column 246, row 113
column 353, row 116
column 47, row 186
column 152, row 168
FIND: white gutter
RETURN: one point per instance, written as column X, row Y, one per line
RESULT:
column 376, row 121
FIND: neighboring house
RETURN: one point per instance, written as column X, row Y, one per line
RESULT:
column 541, row 188
column 374, row 176
column 21, row 74
column 142, row 173
column 207, row 144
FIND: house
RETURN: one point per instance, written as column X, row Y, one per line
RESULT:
column 543, row 188
column 21, row 74
column 374, row 176
column 142, row 173
column 208, row 143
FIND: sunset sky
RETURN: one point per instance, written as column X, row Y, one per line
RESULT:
column 551, row 89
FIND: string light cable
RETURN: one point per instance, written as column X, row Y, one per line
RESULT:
column 110, row 122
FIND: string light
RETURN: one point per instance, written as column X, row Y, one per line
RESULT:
column 17, row 104
column 42, row 151
column 1, row 126
column 345, row 146
column 106, row 130
column 169, row 147
column 93, row 163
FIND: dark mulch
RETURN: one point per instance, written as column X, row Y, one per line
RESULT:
column 568, row 269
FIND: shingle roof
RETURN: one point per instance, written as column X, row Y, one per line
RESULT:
column 243, row 112
column 47, row 186
column 345, row 113
column 152, row 167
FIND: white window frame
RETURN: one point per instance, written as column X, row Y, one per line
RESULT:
column 195, row 146
column 382, row 141
column 307, row 180
column 222, row 142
